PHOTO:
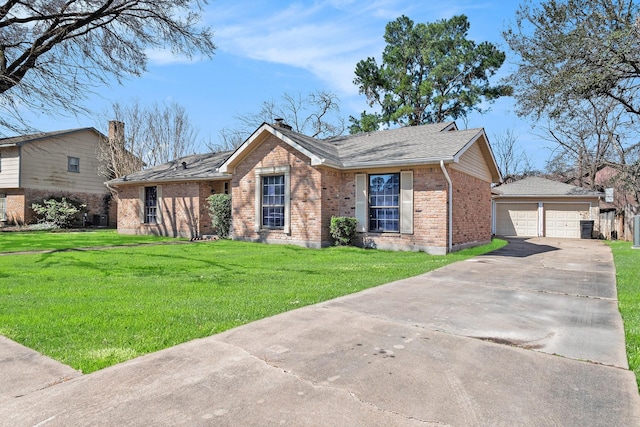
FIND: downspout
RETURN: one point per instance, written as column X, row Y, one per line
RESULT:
column 449, row 205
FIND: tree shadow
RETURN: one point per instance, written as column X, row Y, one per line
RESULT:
column 521, row 247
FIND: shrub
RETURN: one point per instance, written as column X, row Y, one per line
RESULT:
column 343, row 230
column 220, row 213
column 59, row 212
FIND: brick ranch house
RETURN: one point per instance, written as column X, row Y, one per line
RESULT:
column 422, row 188
column 52, row 164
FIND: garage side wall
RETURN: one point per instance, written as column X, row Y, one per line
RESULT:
column 471, row 210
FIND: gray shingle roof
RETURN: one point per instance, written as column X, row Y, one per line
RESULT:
column 534, row 186
column 196, row 167
column 412, row 144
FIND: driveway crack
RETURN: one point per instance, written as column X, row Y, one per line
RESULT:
column 265, row 359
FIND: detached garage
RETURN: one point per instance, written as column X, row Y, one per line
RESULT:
column 536, row 207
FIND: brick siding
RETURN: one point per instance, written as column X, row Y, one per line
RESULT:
column 319, row 193
column 471, row 209
column 19, row 204
column 184, row 209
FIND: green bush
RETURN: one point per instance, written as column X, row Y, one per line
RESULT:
column 220, row 213
column 59, row 212
column 343, row 230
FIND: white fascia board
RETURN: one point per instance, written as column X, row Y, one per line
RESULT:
column 387, row 163
column 120, row 182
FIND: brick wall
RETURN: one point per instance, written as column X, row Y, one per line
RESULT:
column 306, row 219
column 15, row 206
column 184, row 209
column 429, row 213
column 471, row 209
column 19, row 203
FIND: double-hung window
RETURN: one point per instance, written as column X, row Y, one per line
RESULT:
column 273, row 201
column 73, row 164
column 384, row 202
column 150, row 205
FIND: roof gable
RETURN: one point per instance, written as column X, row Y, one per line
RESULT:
column 408, row 146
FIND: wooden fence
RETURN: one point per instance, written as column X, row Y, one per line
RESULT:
column 617, row 225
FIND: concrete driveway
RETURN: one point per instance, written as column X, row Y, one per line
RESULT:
column 529, row 335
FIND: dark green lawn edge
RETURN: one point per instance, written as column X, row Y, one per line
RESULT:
column 627, row 262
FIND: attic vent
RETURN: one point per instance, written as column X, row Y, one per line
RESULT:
column 279, row 123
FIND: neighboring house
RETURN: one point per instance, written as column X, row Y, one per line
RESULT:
column 50, row 164
column 422, row 188
column 537, row 207
column 171, row 199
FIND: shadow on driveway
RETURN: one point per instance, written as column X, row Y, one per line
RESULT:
column 521, row 247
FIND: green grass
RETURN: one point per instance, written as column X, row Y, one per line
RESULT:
column 92, row 309
column 627, row 262
column 47, row 240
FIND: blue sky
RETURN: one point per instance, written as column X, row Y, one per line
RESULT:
column 268, row 47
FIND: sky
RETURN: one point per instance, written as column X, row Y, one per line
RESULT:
column 266, row 48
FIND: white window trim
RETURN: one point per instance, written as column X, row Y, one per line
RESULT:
column 76, row 164
column 141, row 213
column 275, row 170
column 405, row 202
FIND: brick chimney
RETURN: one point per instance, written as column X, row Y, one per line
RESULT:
column 279, row 123
column 116, row 132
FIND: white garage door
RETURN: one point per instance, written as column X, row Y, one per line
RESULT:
column 563, row 219
column 517, row 219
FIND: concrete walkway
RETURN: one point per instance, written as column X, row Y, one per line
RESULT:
column 527, row 336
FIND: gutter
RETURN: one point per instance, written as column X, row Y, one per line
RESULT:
column 449, row 206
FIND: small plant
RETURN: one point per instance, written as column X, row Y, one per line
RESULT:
column 343, row 230
column 58, row 212
column 220, row 213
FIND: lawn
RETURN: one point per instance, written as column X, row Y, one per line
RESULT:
column 627, row 262
column 92, row 309
column 47, row 240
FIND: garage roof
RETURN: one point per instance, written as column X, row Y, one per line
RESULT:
column 535, row 186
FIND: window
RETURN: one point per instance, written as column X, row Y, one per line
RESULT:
column 73, row 164
column 384, row 197
column 3, row 207
column 384, row 202
column 150, row 205
column 273, row 201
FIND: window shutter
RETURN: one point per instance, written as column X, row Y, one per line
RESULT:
column 141, row 205
column 406, row 202
column 361, row 201
column 287, row 203
column 159, row 204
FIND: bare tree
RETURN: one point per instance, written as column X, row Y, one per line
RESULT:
column 511, row 159
column 316, row 115
column 54, row 52
column 589, row 134
column 154, row 134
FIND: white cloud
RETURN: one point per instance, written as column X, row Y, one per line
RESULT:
column 166, row 57
column 325, row 37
